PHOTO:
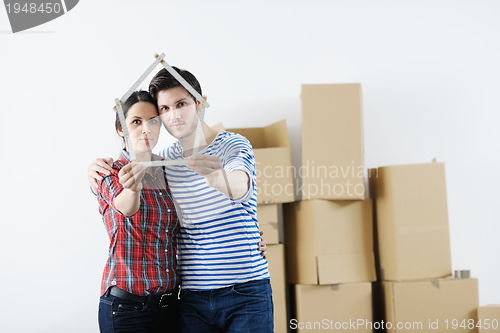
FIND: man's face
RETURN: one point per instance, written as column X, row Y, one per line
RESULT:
column 178, row 112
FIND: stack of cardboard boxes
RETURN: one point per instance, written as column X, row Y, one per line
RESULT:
column 338, row 242
column 415, row 291
column 329, row 233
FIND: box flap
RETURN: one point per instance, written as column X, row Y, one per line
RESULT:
column 277, row 134
column 256, row 136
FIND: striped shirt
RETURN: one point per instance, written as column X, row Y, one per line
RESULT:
column 143, row 247
column 218, row 236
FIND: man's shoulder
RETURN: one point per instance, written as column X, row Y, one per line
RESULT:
column 172, row 152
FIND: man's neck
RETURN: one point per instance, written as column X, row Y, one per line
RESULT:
column 207, row 137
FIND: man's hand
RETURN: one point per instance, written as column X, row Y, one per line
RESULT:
column 232, row 184
column 208, row 166
column 99, row 166
column 131, row 176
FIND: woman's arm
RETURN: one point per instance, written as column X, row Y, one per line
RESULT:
column 129, row 200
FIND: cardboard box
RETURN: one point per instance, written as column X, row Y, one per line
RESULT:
column 329, row 242
column 332, row 142
column 339, row 308
column 276, row 259
column 218, row 127
column 488, row 318
column 411, row 214
column 440, row 305
column 271, row 223
column 273, row 162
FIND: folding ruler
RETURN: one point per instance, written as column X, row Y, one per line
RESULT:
column 187, row 86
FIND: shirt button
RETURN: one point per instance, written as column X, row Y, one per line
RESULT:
column 168, row 270
column 161, row 193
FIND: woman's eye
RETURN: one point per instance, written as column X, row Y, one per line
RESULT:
column 153, row 121
column 136, row 122
column 181, row 104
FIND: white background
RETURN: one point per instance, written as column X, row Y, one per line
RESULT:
column 430, row 77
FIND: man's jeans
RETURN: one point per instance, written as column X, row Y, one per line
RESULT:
column 119, row 315
column 245, row 307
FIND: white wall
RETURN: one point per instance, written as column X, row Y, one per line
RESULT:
column 429, row 72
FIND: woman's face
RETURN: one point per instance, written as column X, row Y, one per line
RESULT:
column 143, row 125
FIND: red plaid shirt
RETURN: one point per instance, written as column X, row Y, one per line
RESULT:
column 143, row 247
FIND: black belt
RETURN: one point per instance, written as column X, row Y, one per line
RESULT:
column 161, row 300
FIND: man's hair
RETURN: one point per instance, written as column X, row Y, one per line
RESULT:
column 163, row 80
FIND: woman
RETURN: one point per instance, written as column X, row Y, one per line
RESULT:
column 139, row 284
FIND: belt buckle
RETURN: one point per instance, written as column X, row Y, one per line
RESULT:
column 161, row 300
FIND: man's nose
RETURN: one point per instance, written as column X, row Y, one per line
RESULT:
column 176, row 113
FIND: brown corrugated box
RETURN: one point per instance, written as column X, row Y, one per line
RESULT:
column 332, row 142
column 329, row 242
column 271, row 223
column 489, row 318
column 430, row 305
column 339, row 308
column 273, row 162
column 411, row 221
column 276, row 259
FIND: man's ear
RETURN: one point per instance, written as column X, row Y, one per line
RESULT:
column 198, row 103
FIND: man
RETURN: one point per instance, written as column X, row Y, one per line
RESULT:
column 225, row 280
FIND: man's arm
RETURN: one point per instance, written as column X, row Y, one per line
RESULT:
column 232, row 184
column 99, row 166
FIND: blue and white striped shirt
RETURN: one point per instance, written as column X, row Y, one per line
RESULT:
column 217, row 245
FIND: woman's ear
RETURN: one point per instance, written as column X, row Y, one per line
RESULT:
column 120, row 132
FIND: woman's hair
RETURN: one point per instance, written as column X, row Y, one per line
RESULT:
column 136, row 97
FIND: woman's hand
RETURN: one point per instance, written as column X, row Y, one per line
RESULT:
column 262, row 246
column 131, row 176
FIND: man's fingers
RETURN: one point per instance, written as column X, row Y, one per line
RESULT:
column 93, row 185
column 101, row 169
column 104, row 165
column 205, row 161
column 109, row 161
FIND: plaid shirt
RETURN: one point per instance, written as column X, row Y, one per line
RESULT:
column 143, row 247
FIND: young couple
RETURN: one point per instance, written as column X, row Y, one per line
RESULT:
column 193, row 224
